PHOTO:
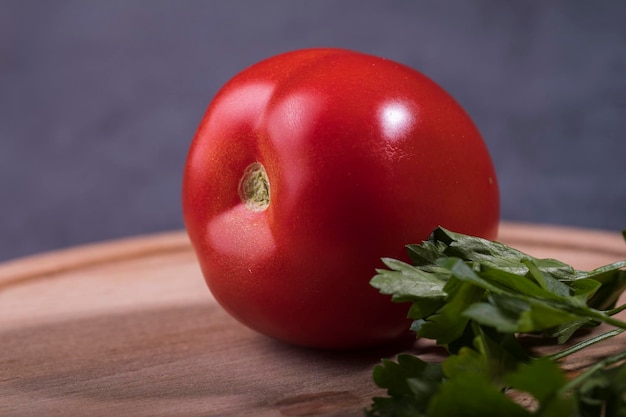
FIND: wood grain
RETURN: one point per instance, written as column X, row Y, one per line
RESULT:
column 128, row 328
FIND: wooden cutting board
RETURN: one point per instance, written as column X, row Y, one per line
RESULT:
column 128, row 328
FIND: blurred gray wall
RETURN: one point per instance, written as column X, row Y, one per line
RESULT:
column 99, row 100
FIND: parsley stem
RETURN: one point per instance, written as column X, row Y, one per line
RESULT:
column 614, row 322
column 616, row 310
column 610, row 360
column 604, row 318
column 584, row 344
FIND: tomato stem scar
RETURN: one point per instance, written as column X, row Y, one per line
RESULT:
column 254, row 187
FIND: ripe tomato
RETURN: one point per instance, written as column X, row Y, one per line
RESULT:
column 309, row 167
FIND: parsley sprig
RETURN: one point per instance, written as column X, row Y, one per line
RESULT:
column 476, row 298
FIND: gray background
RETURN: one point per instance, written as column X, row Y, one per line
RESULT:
column 99, row 100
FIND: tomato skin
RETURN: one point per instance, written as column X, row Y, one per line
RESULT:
column 363, row 156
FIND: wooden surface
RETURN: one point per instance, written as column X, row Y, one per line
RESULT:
column 128, row 328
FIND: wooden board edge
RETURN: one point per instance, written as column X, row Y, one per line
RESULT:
column 58, row 261
column 566, row 237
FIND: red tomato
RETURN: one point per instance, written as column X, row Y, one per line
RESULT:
column 309, row 167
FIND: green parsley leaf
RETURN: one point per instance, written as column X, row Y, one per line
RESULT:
column 475, row 298
column 543, row 379
column 410, row 383
column 473, row 396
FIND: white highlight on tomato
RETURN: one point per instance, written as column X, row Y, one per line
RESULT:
column 395, row 120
